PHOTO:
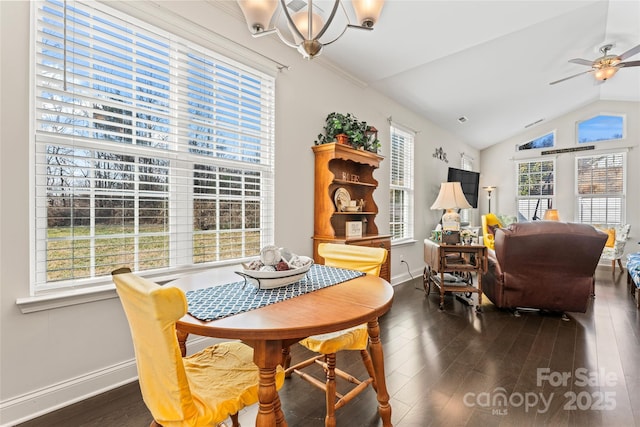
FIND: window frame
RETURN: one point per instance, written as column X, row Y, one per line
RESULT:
column 466, row 163
column 539, row 199
column 519, row 147
column 180, row 174
column 402, row 163
column 621, row 196
column 599, row 141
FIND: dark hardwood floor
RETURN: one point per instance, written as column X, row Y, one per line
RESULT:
column 458, row 368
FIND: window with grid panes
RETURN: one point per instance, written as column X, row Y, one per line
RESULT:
column 150, row 151
column 401, row 184
column 536, row 188
column 466, row 163
column 600, row 188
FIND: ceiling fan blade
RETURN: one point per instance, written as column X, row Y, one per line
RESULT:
column 581, row 61
column 630, row 52
column 570, row 77
column 629, row 64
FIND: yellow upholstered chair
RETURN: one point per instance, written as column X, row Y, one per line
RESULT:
column 368, row 260
column 614, row 248
column 489, row 223
column 200, row 390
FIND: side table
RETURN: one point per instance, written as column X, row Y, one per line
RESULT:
column 440, row 258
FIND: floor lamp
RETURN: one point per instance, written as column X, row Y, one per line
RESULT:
column 489, row 189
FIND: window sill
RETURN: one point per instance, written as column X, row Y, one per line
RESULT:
column 107, row 290
column 403, row 242
column 66, row 298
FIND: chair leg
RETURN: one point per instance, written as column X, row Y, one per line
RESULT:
column 613, row 266
column 330, row 419
column 234, row 420
column 366, row 359
column 286, row 360
column 620, row 264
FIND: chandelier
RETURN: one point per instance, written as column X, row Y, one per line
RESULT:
column 307, row 23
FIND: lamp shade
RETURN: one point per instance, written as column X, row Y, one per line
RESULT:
column 551, row 215
column 605, row 73
column 367, row 11
column 451, row 197
column 258, row 13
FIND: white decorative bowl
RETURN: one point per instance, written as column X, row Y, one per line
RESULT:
column 276, row 279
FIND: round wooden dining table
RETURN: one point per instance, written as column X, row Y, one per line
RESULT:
column 272, row 328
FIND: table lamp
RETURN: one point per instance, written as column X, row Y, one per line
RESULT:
column 551, row 215
column 450, row 198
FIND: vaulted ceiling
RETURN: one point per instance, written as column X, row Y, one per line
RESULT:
column 492, row 61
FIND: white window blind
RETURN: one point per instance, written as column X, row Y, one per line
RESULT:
column 401, row 184
column 151, row 151
column 536, row 188
column 600, row 188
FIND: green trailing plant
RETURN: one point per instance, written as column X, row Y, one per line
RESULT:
column 359, row 132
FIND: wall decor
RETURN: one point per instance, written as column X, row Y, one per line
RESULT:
column 440, row 155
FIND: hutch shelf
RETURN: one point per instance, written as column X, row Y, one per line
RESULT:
column 339, row 166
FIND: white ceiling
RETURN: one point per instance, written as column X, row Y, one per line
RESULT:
column 491, row 61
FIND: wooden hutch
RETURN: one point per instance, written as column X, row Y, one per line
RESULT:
column 339, row 166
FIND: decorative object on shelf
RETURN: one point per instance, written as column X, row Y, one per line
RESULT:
column 342, row 138
column 360, row 135
column 551, row 215
column 307, row 25
column 342, row 198
column 467, row 236
column 353, row 229
column 440, row 155
column 450, row 198
column 489, row 189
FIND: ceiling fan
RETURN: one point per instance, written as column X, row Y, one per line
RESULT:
column 607, row 65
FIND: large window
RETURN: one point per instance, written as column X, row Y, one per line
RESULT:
column 536, row 188
column 466, row 163
column 600, row 188
column 401, row 184
column 151, row 152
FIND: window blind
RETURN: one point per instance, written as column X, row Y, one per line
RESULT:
column 151, row 151
column 600, row 182
column 401, row 184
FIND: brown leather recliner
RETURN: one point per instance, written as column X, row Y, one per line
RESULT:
column 546, row 265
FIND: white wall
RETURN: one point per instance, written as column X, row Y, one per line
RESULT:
column 53, row 357
column 499, row 163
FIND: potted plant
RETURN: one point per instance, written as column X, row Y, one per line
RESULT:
column 335, row 124
column 360, row 135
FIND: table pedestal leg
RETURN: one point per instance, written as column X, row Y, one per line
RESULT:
column 267, row 356
column 375, row 348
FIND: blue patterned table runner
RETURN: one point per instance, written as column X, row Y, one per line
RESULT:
column 226, row 300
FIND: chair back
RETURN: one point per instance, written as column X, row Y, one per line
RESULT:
column 152, row 311
column 362, row 258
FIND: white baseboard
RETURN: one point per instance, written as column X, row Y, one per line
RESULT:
column 48, row 399
column 39, row 402
column 405, row 277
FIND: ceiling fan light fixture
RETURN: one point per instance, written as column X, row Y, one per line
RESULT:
column 307, row 27
column 606, row 72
